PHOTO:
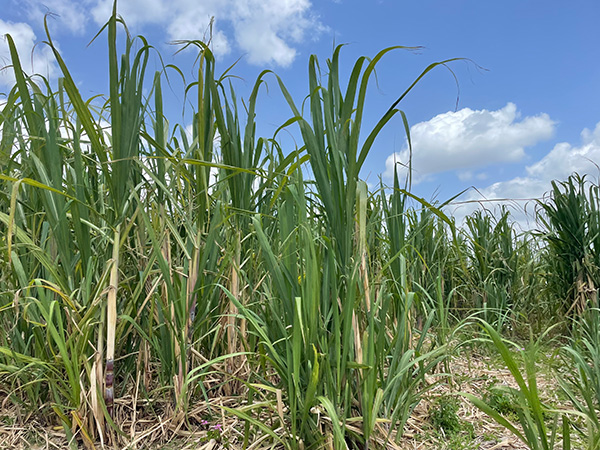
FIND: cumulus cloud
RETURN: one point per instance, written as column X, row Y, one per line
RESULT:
column 265, row 30
column 196, row 24
column 39, row 60
column 469, row 139
column 66, row 14
column 561, row 162
column 272, row 25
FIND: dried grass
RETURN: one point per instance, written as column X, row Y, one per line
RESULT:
column 152, row 424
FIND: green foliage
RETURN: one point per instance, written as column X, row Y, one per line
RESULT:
column 582, row 386
column 571, row 229
column 443, row 415
column 501, row 401
column 460, row 442
column 531, row 411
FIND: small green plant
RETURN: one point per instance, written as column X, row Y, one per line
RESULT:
column 214, row 433
column 458, row 442
column 457, row 434
column 501, row 401
column 443, row 415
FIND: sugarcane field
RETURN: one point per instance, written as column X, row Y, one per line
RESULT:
column 207, row 246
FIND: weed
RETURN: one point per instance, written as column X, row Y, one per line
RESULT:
column 214, row 433
column 501, row 401
column 444, row 417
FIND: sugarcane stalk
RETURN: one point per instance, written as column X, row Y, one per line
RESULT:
column 96, row 382
column 233, row 311
column 111, row 324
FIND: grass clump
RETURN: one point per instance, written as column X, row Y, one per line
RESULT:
column 444, row 415
column 501, row 401
column 445, row 419
column 451, row 430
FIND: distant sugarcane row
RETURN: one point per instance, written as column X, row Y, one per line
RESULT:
column 125, row 263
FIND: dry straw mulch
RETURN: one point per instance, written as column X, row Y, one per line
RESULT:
column 155, row 426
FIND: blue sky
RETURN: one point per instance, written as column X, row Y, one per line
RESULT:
column 528, row 105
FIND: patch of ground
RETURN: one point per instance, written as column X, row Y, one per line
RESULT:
column 472, row 372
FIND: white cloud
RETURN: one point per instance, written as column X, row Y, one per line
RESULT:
column 265, row 30
column 561, row 162
column 65, row 13
column 196, row 24
column 40, row 61
column 468, row 139
column 564, row 159
column 135, row 12
column 272, row 25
